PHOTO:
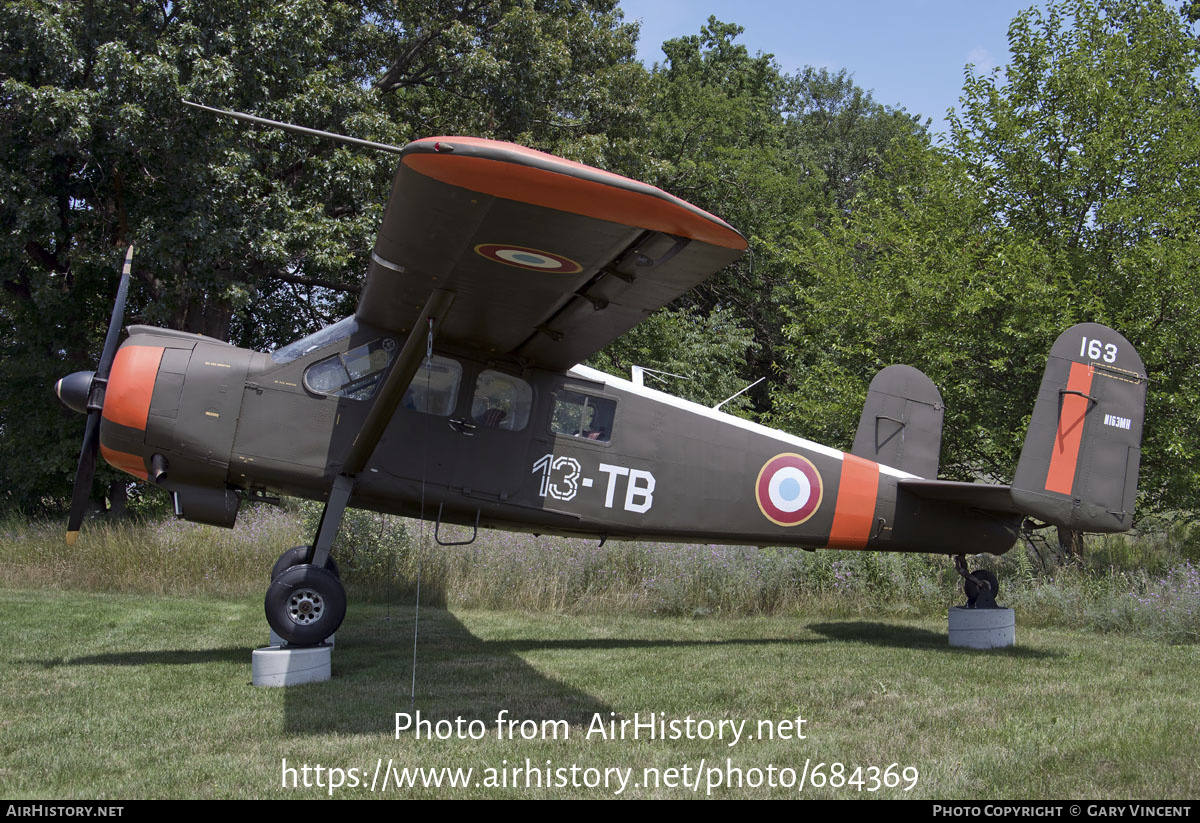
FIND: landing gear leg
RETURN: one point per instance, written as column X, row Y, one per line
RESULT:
column 980, row 586
column 306, row 601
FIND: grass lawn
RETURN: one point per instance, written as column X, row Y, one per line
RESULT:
column 127, row 696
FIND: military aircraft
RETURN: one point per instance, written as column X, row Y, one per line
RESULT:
column 453, row 393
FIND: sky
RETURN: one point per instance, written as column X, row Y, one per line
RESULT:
column 907, row 53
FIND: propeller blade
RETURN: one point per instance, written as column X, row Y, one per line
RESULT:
column 86, row 470
column 118, row 316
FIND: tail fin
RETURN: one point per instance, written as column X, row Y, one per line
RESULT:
column 1079, row 465
column 901, row 423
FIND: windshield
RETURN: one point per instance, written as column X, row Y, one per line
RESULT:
column 317, row 340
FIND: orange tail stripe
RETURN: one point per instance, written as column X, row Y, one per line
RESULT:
column 1064, row 456
column 855, row 512
column 131, row 385
column 124, row 461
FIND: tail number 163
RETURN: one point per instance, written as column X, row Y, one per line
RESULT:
column 1098, row 350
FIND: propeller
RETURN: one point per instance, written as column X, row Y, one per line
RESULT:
column 84, row 392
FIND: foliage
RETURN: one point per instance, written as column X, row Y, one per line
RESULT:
column 920, row 274
column 762, row 148
column 702, row 356
column 250, row 235
column 1144, row 584
column 1067, row 193
column 1090, row 151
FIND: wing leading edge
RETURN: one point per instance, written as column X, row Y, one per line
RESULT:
column 549, row 260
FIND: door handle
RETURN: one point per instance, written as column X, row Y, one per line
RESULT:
column 462, row 426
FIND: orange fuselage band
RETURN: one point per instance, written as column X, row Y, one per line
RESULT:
column 854, row 515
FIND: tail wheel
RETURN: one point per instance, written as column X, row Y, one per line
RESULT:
column 297, row 557
column 977, row 596
column 305, row 604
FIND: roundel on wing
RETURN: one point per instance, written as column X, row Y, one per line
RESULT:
column 788, row 489
column 526, row 258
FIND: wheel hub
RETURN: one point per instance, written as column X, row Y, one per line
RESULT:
column 305, row 607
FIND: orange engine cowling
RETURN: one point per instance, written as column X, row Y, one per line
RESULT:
column 127, row 407
column 170, row 415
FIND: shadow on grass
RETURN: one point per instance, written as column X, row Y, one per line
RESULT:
column 601, row 643
column 165, row 657
column 458, row 675
column 908, row 637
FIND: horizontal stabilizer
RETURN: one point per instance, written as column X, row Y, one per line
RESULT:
column 971, row 495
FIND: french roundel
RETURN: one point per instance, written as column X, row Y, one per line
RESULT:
column 788, row 489
column 525, row 258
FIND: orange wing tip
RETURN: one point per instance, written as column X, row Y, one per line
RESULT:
column 514, row 172
column 72, row 537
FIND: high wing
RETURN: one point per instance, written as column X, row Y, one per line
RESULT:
column 548, row 260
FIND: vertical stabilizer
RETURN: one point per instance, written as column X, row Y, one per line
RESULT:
column 901, row 423
column 1079, row 464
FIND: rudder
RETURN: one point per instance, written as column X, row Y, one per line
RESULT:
column 901, row 422
column 1079, row 465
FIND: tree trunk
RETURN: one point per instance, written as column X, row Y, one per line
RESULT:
column 118, row 496
column 1070, row 545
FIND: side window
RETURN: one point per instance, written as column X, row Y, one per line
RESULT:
column 354, row 374
column 434, row 388
column 501, row 401
column 583, row 415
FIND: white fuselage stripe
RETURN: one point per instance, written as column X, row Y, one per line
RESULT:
column 588, row 373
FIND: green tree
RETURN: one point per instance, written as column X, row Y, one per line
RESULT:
column 918, row 273
column 245, row 234
column 736, row 135
column 1091, row 149
column 1069, row 192
column 703, row 355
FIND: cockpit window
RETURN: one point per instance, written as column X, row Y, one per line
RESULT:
column 434, row 388
column 501, row 401
column 354, row 374
column 583, row 415
column 317, row 340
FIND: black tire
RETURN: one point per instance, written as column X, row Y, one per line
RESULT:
column 973, row 592
column 296, row 557
column 305, row 605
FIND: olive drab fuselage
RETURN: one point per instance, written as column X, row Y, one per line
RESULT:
column 575, row 453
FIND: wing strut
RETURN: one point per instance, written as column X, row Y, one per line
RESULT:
column 386, row 403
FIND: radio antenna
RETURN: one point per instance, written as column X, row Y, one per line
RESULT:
column 743, row 391
column 262, row 121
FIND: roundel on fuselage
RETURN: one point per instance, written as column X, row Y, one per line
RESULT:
column 788, row 489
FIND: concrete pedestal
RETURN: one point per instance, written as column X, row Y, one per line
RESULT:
column 276, row 640
column 290, row 665
column 982, row 628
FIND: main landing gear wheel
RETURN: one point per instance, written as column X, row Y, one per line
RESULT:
column 297, row 557
column 980, row 586
column 305, row 604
